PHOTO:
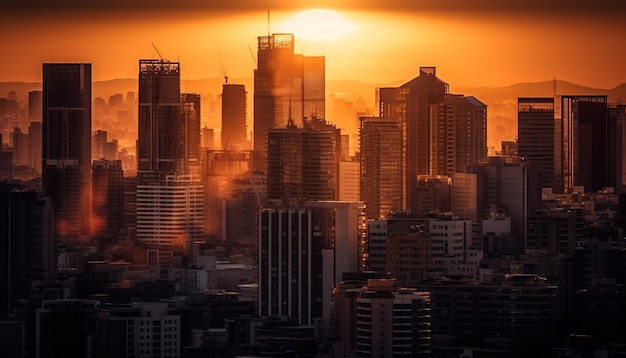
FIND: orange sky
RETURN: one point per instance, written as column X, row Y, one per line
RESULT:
column 483, row 43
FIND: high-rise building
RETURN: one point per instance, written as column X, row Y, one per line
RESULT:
column 458, row 134
column 34, row 105
column 107, row 198
column 411, row 104
column 382, row 163
column 287, row 86
column 191, row 133
column 170, row 213
column 160, row 145
column 303, row 252
column 234, row 134
column 587, row 153
column 536, row 134
column 67, row 142
column 34, row 145
column 27, row 246
column 443, row 133
column 301, row 164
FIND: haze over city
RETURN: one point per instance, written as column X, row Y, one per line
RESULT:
column 477, row 43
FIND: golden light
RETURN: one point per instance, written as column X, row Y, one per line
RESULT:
column 317, row 25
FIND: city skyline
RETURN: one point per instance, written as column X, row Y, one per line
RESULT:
column 381, row 43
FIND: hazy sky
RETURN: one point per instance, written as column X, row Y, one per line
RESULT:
column 472, row 42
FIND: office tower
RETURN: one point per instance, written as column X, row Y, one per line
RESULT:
column 458, row 134
column 34, row 145
column 432, row 194
column 107, row 198
column 160, row 142
column 587, row 152
column 287, row 86
column 170, row 213
column 191, row 133
column 27, row 247
column 411, row 104
column 381, row 320
column 34, row 105
column 234, row 134
column 508, row 187
column 21, row 147
column 97, row 147
column 208, row 139
column 67, row 144
column 535, row 135
column 301, row 164
column 302, row 253
column 618, row 114
column 382, row 164
column 140, row 329
column 466, row 195
column 66, row 328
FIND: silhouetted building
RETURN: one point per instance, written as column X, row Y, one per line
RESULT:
column 34, row 105
column 67, row 144
column 587, row 151
column 107, row 198
column 191, row 133
column 286, row 86
column 34, row 145
column 411, row 104
column 382, row 162
column 66, row 328
column 160, row 141
column 536, row 135
column 234, row 133
column 27, row 245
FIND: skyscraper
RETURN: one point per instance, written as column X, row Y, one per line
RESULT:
column 67, row 144
column 411, row 104
column 458, row 134
column 108, row 198
column 169, row 190
column 535, row 135
column 160, row 147
column 234, row 135
column 382, row 180
column 287, row 86
column 586, row 151
column 302, row 164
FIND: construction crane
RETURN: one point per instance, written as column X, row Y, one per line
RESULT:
column 157, row 51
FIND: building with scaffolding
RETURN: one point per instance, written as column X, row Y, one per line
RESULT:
column 286, row 86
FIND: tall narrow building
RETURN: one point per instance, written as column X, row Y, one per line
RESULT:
column 169, row 190
column 586, row 153
column 234, row 135
column 67, row 144
column 535, row 135
column 382, row 166
column 286, row 86
column 411, row 104
column 160, row 146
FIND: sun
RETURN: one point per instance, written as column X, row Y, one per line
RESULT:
column 318, row 25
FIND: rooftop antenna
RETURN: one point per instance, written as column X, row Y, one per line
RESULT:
column 268, row 23
column 157, row 51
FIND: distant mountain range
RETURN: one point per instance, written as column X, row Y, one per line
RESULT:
column 348, row 89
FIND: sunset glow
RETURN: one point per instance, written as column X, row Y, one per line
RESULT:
column 318, row 25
